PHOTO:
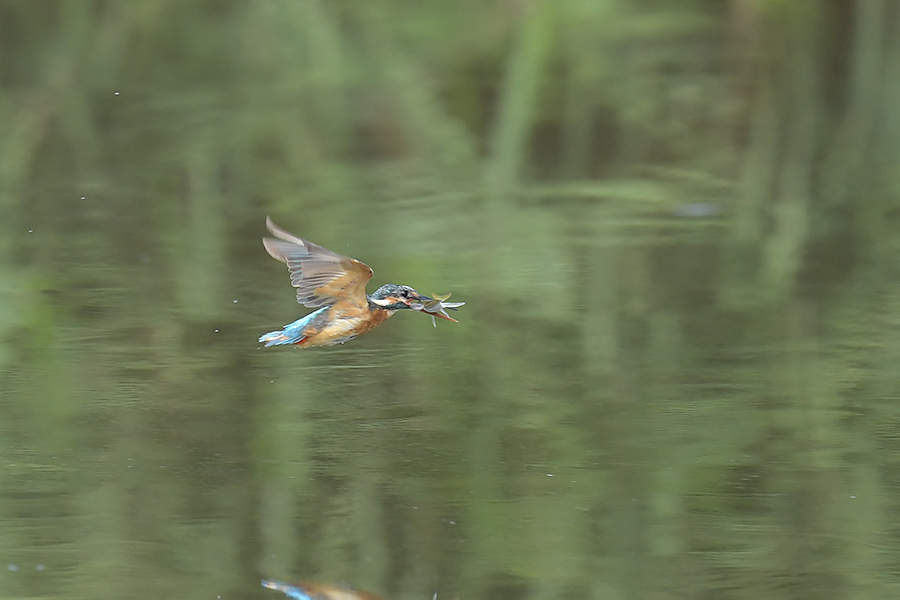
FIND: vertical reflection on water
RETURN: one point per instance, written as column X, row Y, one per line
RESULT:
column 646, row 441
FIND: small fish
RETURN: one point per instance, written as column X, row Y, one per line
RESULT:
column 435, row 307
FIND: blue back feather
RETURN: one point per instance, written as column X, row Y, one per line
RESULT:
column 292, row 332
column 290, row 590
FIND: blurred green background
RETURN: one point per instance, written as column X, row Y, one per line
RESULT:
column 676, row 225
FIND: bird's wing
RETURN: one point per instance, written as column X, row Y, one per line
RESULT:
column 322, row 278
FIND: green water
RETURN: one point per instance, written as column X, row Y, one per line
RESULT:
column 676, row 372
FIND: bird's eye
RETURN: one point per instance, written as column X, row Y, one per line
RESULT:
column 404, row 294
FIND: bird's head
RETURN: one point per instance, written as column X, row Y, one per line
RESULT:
column 396, row 297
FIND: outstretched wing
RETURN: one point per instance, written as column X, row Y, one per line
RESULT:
column 321, row 277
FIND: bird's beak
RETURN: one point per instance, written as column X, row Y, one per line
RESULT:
column 441, row 315
column 423, row 302
column 435, row 307
column 420, row 299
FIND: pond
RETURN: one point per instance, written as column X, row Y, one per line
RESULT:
column 620, row 412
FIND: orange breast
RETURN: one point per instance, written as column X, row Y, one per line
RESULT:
column 342, row 327
column 318, row 591
column 330, row 592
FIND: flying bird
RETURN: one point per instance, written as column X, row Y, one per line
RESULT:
column 315, row 591
column 335, row 286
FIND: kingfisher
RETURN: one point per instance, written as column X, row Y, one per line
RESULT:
column 335, row 285
column 316, row 591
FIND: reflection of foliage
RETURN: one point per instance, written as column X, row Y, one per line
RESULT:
column 568, row 169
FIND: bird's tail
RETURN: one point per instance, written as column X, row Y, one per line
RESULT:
column 277, row 338
column 293, row 333
column 291, row 591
